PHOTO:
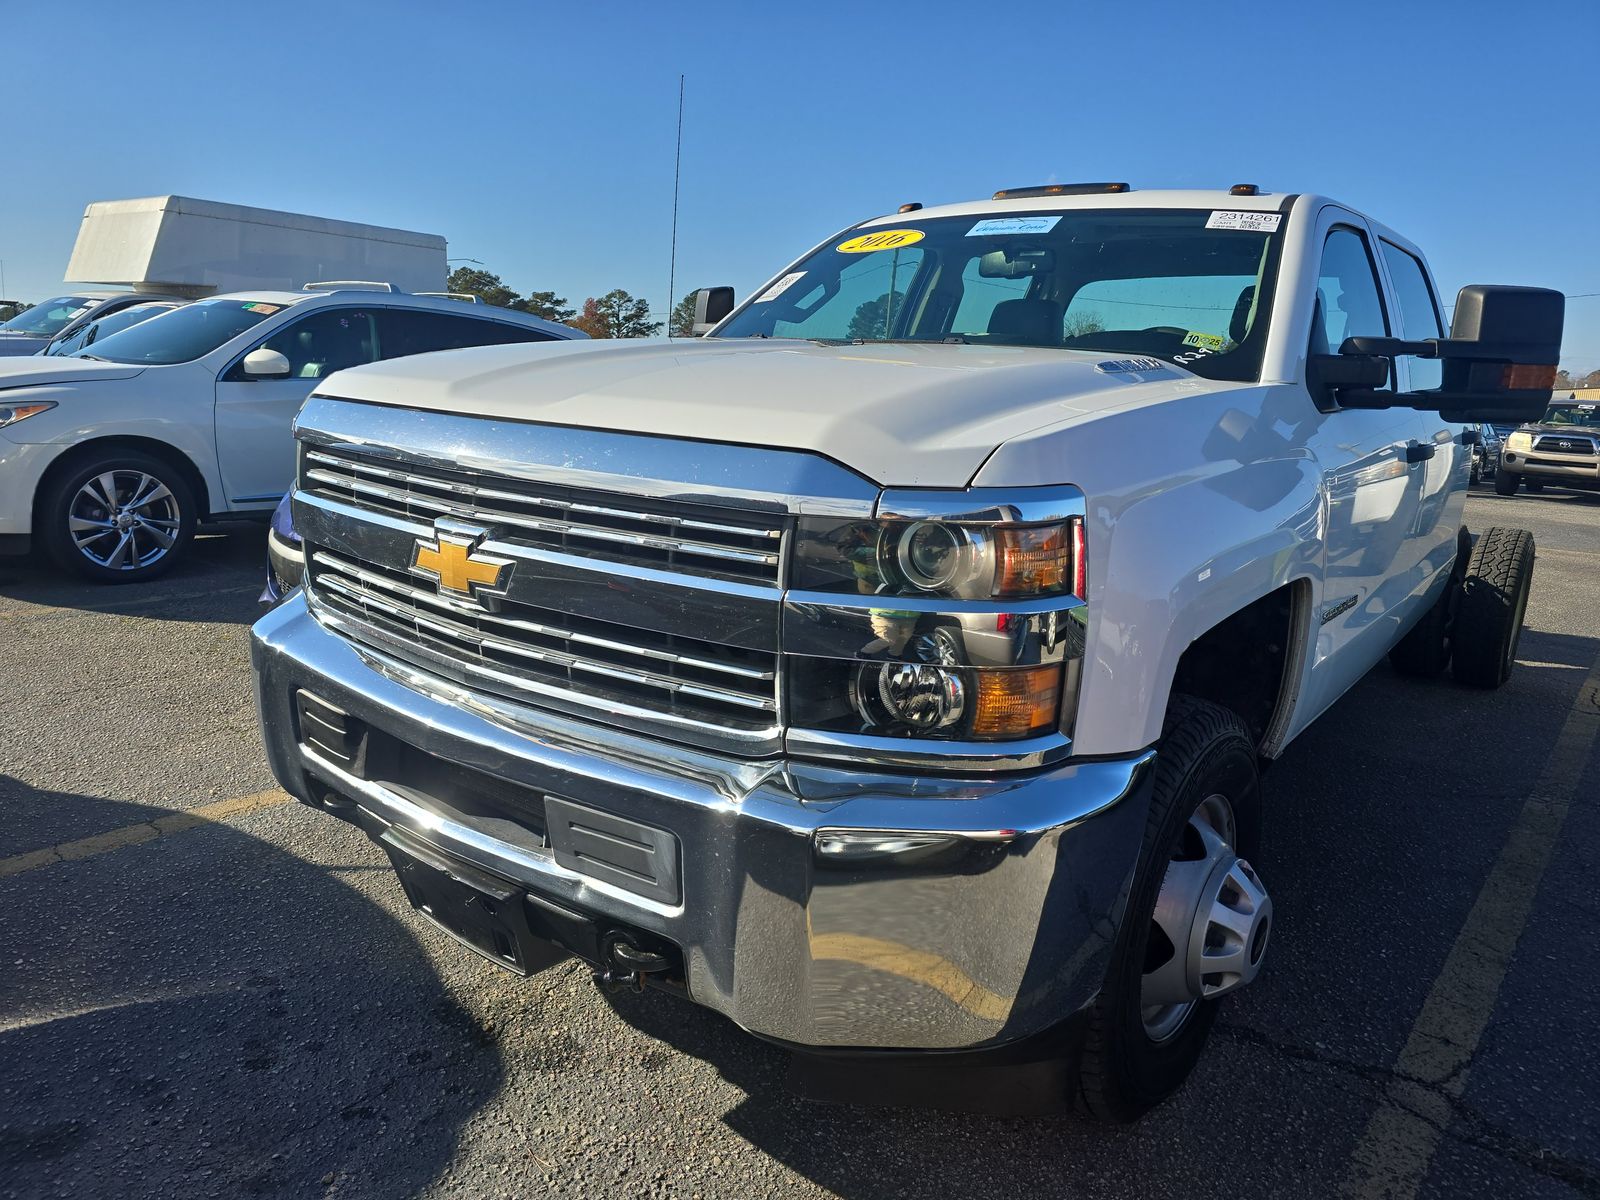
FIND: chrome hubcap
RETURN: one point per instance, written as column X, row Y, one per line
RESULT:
column 124, row 520
column 1212, row 920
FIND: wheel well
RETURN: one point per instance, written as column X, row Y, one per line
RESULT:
column 157, row 449
column 1242, row 662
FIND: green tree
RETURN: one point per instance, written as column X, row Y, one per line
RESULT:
column 871, row 320
column 681, row 322
column 616, row 315
column 547, row 305
column 485, row 285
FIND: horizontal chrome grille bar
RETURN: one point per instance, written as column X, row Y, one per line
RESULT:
column 592, row 522
column 555, row 647
column 416, row 595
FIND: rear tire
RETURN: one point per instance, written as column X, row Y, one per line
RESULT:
column 119, row 516
column 1494, row 598
column 1505, row 483
column 1205, row 754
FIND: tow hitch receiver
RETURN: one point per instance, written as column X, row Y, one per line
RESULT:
column 625, row 965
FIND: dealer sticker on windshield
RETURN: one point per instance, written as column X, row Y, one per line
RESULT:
column 1013, row 225
column 883, row 239
column 782, row 286
column 1256, row 222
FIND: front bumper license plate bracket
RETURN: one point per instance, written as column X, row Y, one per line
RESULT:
column 481, row 911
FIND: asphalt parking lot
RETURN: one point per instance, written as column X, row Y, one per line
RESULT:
column 206, row 990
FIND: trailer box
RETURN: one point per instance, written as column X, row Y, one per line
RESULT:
column 183, row 246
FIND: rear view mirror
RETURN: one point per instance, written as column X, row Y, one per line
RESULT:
column 1016, row 264
column 262, row 363
column 1499, row 362
column 710, row 306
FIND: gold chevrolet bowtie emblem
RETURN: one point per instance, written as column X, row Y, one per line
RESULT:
column 450, row 561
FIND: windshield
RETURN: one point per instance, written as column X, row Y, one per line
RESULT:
column 51, row 317
column 104, row 327
column 184, row 334
column 1189, row 286
column 1584, row 414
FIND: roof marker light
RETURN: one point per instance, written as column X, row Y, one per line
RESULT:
column 1244, row 189
column 1060, row 189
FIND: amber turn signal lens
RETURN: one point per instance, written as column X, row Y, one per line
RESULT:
column 1033, row 561
column 1528, row 376
column 1016, row 702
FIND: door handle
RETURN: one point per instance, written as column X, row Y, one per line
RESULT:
column 1419, row 452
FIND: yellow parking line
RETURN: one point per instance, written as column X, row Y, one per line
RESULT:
column 920, row 966
column 132, row 835
column 1393, row 1155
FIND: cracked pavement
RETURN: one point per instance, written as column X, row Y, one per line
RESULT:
column 245, row 1005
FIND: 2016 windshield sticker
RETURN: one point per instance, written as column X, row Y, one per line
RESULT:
column 1013, row 225
column 1255, row 222
column 1213, row 342
column 266, row 310
column 1124, row 366
column 783, row 285
column 882, row 239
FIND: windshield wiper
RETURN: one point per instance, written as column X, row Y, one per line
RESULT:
column 90, row 357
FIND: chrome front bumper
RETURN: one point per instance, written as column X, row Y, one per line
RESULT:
column 819, row 905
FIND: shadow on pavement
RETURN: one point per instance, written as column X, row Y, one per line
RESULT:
column 223, row 575
column 206, row 1014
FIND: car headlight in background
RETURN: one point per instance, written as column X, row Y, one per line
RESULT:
column 10, row 414
column 1520, row 442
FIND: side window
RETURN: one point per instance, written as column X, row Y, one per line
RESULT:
column 866, row 304
column 323, row 342
column 1349, row 298
column 1419, row 313
column 417, row 331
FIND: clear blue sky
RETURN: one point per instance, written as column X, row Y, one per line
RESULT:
column 538, row 137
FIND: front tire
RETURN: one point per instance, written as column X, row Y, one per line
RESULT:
column 1194, row 902
column 120, row 516
column 1505, row 483
column 1494, row 598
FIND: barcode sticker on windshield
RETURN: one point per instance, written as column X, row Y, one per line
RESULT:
column 1013, row 225
column 783, row 285
column 1256, row 222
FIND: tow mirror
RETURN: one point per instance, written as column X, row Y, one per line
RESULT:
column 262, row 363
column 1498, row 364
column 710, row 306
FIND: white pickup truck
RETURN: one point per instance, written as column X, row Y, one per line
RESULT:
column 891, row 670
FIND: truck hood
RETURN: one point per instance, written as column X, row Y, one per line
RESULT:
column 910, row 415
column 33, row 371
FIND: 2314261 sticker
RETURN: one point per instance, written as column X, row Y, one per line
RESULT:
column 881, row 239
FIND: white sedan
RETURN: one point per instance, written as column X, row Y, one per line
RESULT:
column 109, row 458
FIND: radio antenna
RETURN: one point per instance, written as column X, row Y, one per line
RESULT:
column 677, row 165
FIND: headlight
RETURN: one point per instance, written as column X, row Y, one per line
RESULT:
column 1520, row 441
column 967, row 628
column 10, row 414
column 964, row 561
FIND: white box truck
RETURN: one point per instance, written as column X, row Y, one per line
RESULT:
column 177, row 246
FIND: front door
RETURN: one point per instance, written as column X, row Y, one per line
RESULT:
column 255, row 449
column 1376, row 470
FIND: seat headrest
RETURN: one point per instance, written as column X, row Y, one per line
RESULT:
column 1030, row 321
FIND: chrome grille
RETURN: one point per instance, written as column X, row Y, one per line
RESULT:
column 686, row 538
column 1564, row 443
column 520, row 649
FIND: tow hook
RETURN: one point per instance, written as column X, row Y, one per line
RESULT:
column 627, row 965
